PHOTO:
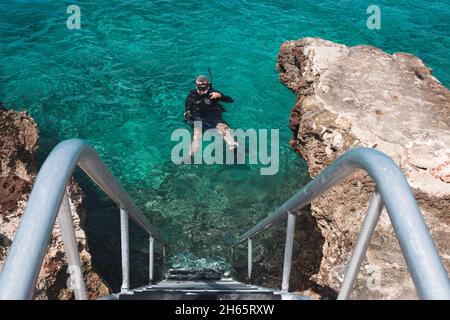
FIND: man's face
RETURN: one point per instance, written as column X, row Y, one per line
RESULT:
column 202, row 87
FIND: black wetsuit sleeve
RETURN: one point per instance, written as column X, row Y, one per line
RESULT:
column 226, row 98
column 188, row 104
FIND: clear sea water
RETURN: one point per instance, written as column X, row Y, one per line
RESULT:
column 120, row 83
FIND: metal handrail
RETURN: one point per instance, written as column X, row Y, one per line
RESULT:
column 393, row 192
column 48, row 200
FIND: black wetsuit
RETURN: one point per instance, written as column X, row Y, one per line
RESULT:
column 204, row 109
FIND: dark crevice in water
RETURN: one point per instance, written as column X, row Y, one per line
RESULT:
column 102, row 228
column 269, row 254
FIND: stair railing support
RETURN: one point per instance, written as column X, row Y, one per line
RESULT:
column 164, row 253
column 232, row 255
column 359, row 252
column 250, row 259
column 151, row 242
column 290, row 231
column 76, row 281
column 125, row 250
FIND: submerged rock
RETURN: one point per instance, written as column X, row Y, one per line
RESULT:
column 18, row 145
column 186, row 266
column 361, row 96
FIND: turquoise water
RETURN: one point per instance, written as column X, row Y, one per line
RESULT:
column 120, row 83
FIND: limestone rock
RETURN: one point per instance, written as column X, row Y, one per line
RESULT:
column 18, row 145
column 361, row 96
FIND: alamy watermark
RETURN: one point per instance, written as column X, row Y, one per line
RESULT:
column 374, row 20
column 75, row 274
column 373, row 280
column 74, row 20
column 190, row 150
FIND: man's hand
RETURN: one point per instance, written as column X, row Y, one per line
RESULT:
column 215, row 95
column 187, row 114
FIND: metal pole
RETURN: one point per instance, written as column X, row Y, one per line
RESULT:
column 290, row 230
column 125, row 247
column 164, row 254
column 370, row 222
column 76, row 281
column 250, row 259
column 232, row 254
column 151, row 241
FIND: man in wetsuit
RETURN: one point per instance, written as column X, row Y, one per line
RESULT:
column 203, row 104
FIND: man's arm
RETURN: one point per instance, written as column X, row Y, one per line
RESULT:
column 188, row 107
column 225, row 98
column 220, row 96
column 188, row 104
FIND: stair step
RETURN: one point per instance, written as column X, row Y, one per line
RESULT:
column 187, row 274
column 192, row 285
column 223, row 289
column 164, row 295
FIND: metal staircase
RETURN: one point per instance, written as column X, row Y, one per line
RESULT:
column 48, row 201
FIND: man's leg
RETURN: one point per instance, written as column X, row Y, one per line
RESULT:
column 224, row 131
column 196, row 139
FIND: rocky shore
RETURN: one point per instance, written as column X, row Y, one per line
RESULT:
column 18, row 146
column 361, row 96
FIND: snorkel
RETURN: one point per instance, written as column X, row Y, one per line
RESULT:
column 210, row 77
column 207, row 100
